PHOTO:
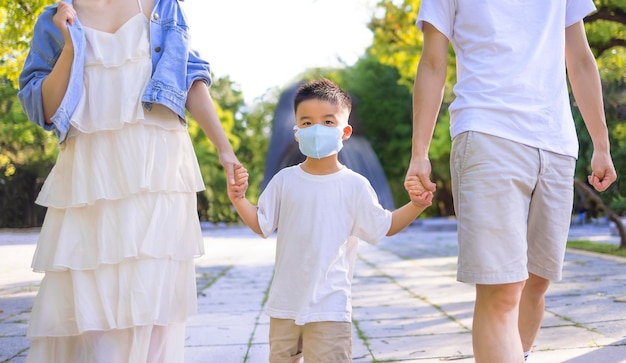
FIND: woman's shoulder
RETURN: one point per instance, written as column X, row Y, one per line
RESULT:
column 44, row 23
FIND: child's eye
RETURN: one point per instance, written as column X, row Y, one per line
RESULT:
column 328, row 122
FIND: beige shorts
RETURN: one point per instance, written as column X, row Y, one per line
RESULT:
column 513, row 204
column 320, row 342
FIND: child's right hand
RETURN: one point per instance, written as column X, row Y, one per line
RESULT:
column 238, row 190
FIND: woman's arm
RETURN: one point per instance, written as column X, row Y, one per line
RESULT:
column 200, row 105
column 54, row 86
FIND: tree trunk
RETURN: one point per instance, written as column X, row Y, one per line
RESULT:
column 612, row 216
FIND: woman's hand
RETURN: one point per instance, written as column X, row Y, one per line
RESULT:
column 65, row 15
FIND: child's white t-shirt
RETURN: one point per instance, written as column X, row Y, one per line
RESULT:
column 511, row 79
column 319, row 220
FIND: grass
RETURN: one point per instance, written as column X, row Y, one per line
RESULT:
column 605, row 248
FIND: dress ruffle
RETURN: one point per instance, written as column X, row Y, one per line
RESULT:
column 117, row 164
column 145, row 225
column 132, row 293
column 113, row 50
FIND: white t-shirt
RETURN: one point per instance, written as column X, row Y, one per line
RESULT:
column 319, row 219
column 511, row 79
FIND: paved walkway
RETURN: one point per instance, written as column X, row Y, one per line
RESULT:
column 408, row 306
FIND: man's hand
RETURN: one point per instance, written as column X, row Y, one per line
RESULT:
column 417, row 180
column 418, row 195
column 603, row 172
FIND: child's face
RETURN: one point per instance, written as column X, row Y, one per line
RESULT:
column 314, row 111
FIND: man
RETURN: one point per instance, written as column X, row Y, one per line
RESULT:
column 513, row 152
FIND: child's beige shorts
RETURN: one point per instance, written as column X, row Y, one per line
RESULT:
column 320, row 342
column 513, row 204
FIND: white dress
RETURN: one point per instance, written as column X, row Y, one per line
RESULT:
column 121, row 230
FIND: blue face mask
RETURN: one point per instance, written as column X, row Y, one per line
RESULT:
column 319, row 141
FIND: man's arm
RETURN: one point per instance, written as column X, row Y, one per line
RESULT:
column 584, row 78
column 430, row 80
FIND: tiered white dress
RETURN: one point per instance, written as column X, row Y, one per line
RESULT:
column 122, row 230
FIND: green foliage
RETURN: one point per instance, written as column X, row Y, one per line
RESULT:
column 597, row 247
column 619, row 206
column 254, row 131
column 398, row 42
column 17, row 19
column 248, row 133
column 27, row 153
column 606, row 32
column 383, row 108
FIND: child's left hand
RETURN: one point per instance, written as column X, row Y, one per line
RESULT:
column 419, row 197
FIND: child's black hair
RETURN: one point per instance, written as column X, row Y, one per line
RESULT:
column 324, row 90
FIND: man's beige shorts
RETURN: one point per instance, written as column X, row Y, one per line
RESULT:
column 513, row 204
column 320, row 342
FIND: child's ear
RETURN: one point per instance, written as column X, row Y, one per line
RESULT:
column 347, row 132
column 295, row 130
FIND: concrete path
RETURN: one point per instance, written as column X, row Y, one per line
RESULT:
column 408, row 307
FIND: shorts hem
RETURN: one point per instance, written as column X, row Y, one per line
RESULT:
column 491, row 279
column 545, row 273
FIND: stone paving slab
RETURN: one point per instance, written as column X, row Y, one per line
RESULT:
column 408, row 306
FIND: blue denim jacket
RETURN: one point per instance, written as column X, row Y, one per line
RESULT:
column 174, row 65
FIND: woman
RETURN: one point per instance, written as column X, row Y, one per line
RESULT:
column 112, row 79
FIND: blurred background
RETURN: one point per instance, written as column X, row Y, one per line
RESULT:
column 258, row 52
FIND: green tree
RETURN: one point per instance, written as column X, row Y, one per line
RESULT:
column 248, row 132
column 606, row 31
column 383, row 108
column 27, row 153
column 17, row 19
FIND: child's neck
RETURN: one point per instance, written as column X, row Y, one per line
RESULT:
column 323, row 166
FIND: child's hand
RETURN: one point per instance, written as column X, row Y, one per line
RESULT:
column 238, row 190
column 419, row 197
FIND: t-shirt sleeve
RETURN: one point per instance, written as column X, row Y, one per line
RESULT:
column 439, row 13
column 268, row 207
column 372, row 221
column 576, row 10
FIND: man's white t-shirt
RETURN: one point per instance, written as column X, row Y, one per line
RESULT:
column 511, row 78
column 319, row 220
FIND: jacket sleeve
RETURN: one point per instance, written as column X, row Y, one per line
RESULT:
column 45, row 50
column 197, row 69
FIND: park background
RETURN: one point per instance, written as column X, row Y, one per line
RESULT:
column 380, row 80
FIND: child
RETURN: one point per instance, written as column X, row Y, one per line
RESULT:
column 320, row 209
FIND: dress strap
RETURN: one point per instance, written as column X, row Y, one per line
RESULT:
column 140, row 7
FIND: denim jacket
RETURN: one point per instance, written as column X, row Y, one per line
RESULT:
column 174, row 65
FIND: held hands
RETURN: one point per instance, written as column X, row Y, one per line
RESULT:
column 603, row 172
column 229, row 162
column 417, row 182
column 237, row 190
column 419, row 197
